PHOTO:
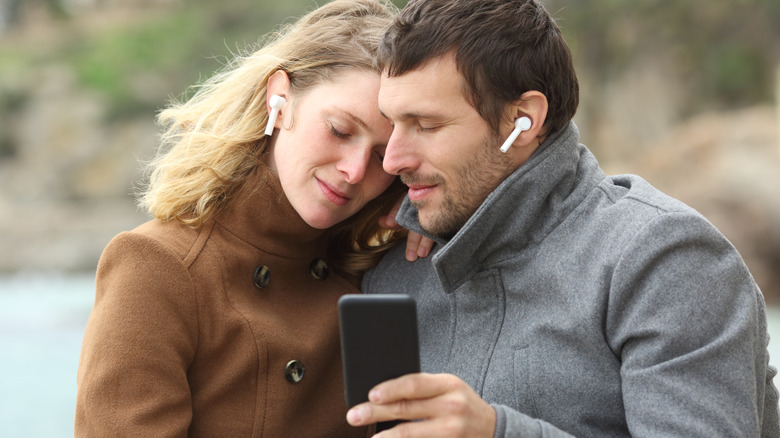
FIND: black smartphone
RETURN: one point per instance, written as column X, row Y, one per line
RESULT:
column 378, row 342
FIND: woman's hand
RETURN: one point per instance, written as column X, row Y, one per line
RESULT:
column 416, row 244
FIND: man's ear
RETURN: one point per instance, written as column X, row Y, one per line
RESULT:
column 532, row 104
column 278, row 85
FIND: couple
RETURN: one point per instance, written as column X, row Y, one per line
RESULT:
column 555, row 301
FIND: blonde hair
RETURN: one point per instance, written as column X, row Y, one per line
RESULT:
column 214, row 141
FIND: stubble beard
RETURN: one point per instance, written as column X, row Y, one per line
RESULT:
column 474, row 180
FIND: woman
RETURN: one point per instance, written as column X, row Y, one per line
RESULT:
column 218, row 318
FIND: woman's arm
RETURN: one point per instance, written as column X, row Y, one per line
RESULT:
column 139, row 341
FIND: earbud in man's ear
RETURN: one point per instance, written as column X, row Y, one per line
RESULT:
column 521, row 124
column 276, row 103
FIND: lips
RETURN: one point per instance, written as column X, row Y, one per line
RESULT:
column 332, row 194
column 420, row 186
column 418, row 192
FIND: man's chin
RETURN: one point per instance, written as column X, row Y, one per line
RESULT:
column 435, row 226
column 425, row 222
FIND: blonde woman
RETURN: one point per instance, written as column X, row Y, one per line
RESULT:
column 218, row 318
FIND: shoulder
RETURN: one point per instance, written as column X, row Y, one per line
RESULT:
column 667, row 252
column 646, row 220
column 158, row 241
column 144, row 295
column 652, row 238
column 628, row 208
column 394, row 272
column 175, row 237
column 149, row 263
column 634, row 192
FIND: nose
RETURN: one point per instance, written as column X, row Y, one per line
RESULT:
column 399, row 158
column 353, row 164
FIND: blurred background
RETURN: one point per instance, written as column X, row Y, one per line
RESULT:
column 685, row 94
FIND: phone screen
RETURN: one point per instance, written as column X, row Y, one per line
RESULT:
column 378, row 341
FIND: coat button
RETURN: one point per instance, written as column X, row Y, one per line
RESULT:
column 318, row 269
column 294, row 371
column 262, row 276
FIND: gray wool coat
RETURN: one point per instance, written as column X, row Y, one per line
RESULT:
column 579, row 304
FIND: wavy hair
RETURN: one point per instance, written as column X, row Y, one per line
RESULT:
column 213, row 141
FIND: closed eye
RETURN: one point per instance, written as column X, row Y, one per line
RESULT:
column 422, row 128
column 338, row 133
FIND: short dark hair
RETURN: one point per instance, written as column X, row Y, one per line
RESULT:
column 503, row 48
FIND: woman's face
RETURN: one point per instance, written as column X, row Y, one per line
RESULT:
column 329, row 146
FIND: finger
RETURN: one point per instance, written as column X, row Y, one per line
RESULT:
column 433, row 428
column 398, row 399
column 459, row 413
column 424, row 247
column 369, row 413
column 413, row 245
column 388, row 222
column 414, row 386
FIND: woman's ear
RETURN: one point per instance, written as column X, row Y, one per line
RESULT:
column 278, row 85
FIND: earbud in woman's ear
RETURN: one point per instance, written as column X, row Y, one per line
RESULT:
column 521, row 124
column 276, row 103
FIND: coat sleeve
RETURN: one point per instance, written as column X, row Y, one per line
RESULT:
column 688, row 323
column 139, row 341
column 511, row 423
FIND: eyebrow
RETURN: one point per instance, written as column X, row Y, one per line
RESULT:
column 414, row 116
column 352, row 117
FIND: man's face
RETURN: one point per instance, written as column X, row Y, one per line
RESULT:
column 442, row 148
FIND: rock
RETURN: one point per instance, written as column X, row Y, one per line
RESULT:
column 66, row 188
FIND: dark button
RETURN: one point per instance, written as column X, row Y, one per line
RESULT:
column 262, row 276
column 294, row 371
column 318, row 269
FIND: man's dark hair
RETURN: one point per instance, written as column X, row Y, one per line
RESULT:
column 503, row 48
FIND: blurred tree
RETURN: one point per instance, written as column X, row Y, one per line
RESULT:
column 725, row 52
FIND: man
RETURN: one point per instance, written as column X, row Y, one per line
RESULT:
column 558, row 301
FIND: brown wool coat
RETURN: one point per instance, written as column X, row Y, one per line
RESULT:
column 181, row 342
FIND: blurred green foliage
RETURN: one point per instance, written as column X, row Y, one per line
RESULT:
column 175, row 49
column 164, row 45
column 162, row 51
column 726, row 51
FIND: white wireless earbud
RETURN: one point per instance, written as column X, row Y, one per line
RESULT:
column 277, row 102
column 521, row 124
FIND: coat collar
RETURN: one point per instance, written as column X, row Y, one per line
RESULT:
column 522, row 210
column 260, row 214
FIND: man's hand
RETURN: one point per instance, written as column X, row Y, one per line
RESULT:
column 443, row 404
column 416, row 244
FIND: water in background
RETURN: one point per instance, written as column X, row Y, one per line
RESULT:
column 42, row 319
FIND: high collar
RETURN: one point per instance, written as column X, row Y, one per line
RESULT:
column 523, row 209
column 261, row 215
